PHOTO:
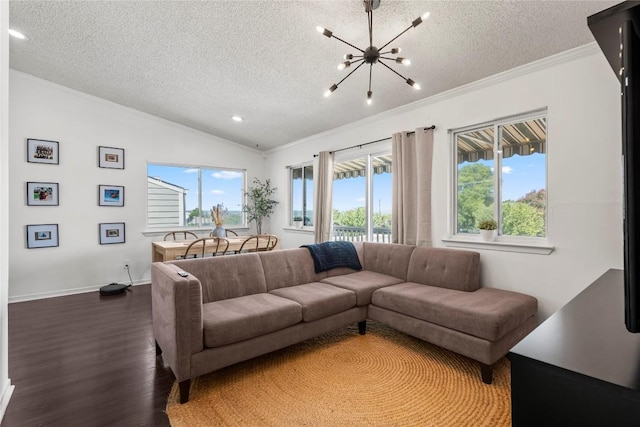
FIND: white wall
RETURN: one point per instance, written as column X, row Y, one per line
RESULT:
column 6, row 389
column 584, row 168
column 81, row 123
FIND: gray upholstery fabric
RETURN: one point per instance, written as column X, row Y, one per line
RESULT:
column 289, row 267
column 387, row 258
column 225, row 277
column 318, row 300
column 446, row 268
column 211, row 359
column 176, row 305
column 484, row 351
column 486, row 313
column 241, row 318
column 363, row 283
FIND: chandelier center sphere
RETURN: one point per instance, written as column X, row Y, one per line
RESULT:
column 371, row 55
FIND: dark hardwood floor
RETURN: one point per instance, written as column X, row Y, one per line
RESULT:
column 86, row 360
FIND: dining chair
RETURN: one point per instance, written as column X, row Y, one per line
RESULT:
column 180, row 235
column 227, row 232
column 259, row 243
column 205, row 246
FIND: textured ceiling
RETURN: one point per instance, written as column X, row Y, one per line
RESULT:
column 199, row 63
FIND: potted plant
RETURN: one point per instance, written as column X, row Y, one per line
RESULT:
column 217, row 217
column 488, row 229
column 259, row 202
column 297, row 221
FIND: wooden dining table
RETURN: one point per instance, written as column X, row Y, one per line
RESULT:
column 171, row 249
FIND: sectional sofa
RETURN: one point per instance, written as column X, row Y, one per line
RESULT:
column 209, row 313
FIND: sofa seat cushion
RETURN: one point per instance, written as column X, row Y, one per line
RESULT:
column 486, row 313
column 318, row 300
column 242, row 318
column 363, row 283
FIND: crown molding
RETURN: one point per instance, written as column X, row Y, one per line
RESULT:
column 541, row 64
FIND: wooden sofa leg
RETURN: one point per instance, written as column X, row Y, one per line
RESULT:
column 487, row 373
column 362, row 327
column 158, row 349
column 184, row 390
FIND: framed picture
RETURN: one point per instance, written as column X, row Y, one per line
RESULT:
column 42, row 151
column 42, row 194
column 42, row 236
column 110, row 195
column 111, row 232
column 111, row 158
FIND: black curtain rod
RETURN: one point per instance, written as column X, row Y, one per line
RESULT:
column 372, row 142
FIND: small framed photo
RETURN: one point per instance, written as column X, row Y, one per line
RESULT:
column 42, row 194
column 111, row 158
column 42, row 236
column 110, row 195
column 42, row 151
column 111, row 232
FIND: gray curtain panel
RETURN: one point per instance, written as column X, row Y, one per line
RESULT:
column 323, row 226
column 411, row 201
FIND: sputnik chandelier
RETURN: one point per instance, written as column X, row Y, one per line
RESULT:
column 372, row 55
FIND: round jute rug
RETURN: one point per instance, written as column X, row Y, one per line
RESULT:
column 384, row 378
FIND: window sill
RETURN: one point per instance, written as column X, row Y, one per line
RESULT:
column 305, row 230
column 528, row 247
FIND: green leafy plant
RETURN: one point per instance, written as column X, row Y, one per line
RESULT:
column 259, row 204
column 488, row 224
column 297, row 218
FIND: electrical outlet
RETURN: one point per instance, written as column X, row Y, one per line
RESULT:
column 126, row 264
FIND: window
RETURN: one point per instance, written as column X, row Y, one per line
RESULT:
column 362, row 199
column 302, row 194
column 182, row 196
column 500, row 173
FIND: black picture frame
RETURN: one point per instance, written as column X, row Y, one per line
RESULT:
column 42, row 236
column 111, row 195
column 110, row 157
column 43, row 151
column 43, row 194
column 111, row 233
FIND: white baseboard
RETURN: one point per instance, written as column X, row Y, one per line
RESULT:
column 60, row 293
column 5, row 395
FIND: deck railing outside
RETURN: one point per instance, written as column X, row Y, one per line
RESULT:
column 358, row 234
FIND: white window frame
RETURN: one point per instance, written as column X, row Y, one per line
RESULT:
column 152, row 230
column 369, row 154
column 527, row 244
column 305, row 191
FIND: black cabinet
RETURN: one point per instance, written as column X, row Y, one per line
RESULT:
column 581, row 367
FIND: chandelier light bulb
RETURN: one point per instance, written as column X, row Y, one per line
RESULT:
column 413, row 84
column 395, row 50
column 369, row 97
column 320, row 29
column 403, row 61
column 348, row 56
column 343, row 65
column 425, row 16
column 330, row 90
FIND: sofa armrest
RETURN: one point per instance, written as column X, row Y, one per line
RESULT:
column 177, row 316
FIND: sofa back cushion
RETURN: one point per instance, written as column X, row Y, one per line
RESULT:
column 445, row 268
column 387, row 258
column 289, row 267
column 228, row 276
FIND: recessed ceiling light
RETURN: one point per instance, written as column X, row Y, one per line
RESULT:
column 237, row 118
column 17, row 34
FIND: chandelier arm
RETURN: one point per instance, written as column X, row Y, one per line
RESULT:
column 370, row 71
column 345, row 77
column 388, row 59
column 347, row 43
column 370, row 19
column 401, row 76
column 390, row 41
